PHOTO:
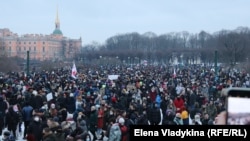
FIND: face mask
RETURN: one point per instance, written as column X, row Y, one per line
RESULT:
column 79, row 117
column 36, row 119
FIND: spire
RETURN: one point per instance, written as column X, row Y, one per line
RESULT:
column 57, row 20
column 57, row 30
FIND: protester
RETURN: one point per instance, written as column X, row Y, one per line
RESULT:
column 89, row 107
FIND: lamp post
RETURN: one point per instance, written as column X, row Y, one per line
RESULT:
column 128, row 60
column 215, row 62
column 117, row 61
column 136, row 61
column 100, row 59
column 28, row 63
column 181, row 59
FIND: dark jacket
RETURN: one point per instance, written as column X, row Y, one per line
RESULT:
column 154, row 115
column 12, row 119
column 49, row 137
column 93, row 121
column 3, row 107
column 36, row 129
column 71, row 107
column 27, row 113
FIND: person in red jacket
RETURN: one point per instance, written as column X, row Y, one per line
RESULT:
column 123, row 128
column 178, row 103
column 100, row 121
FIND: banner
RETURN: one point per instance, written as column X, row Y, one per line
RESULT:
column 113, row 77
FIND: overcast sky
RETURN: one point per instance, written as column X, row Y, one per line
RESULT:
column 97, row 20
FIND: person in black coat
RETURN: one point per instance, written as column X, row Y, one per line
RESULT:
column 70, row 103
column 12, row 120
column 3, row 108
column 35, row 129
column 154, row 115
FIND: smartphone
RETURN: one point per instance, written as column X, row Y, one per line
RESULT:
column 238, row 106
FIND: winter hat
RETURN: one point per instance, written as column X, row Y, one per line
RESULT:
column 97, row 106
column 197, row 117
column 93, row 108
column 178, row 115
column 121, row 121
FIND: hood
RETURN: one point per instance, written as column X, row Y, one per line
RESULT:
column 158, row 99
column 115, row 127
column 83, row 125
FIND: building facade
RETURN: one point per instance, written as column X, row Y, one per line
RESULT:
column 41, row 47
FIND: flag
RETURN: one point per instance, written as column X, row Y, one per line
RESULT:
column 74, row 71
column 174, row 75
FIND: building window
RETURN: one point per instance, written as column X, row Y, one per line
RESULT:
column 9, row 48
column 9, row 42
column 24, row 42
column 19, row 42
column 43, row 49
column 29, row 48
column 20, row 48
column 43, row 42
column 24, row 48
column 29, row 42
column 34, row 48
column 34, row 42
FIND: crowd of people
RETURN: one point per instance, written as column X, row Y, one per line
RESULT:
column 53, row 106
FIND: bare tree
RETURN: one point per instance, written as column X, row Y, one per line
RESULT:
column 234, row 46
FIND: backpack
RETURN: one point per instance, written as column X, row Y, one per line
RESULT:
column 124, row 130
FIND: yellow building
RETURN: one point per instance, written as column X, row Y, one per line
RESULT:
column 41, row 47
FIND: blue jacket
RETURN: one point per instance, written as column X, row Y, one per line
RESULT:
column 158, row 100
column 27, row 113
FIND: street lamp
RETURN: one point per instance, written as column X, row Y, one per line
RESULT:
column 181, row 59
column 128, row 60
column 117, row 61
column 136, row 60
column 100, row 59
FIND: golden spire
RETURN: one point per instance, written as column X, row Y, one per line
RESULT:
column 57, row 19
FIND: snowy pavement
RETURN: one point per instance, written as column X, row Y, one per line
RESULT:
column 19, row 135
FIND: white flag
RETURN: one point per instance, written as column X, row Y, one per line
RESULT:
column 74, row 71
column 174, row 75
